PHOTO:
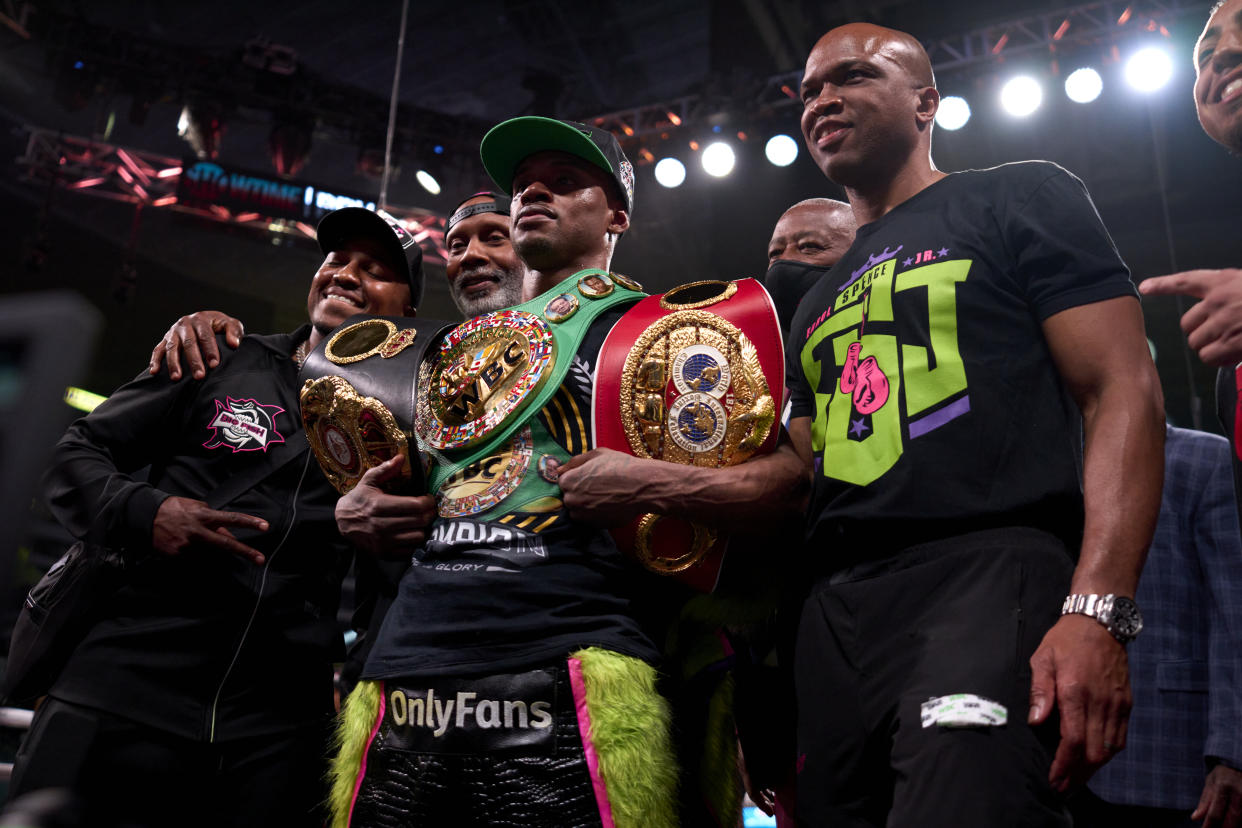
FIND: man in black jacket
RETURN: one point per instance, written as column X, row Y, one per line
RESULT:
column 203, row 694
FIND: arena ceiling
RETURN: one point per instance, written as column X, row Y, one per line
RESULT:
column 466, row 66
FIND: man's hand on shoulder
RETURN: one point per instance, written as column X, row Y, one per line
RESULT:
column 1220, row 806
column 386, row 525
column 183, row 524
column 1080, row 669
column 194, row 337
column 1213, row 326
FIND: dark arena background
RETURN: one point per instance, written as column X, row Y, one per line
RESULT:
column 159, row 158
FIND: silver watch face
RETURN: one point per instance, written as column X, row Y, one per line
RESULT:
column 1127, row 621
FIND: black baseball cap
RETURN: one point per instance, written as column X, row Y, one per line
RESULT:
column 403, row 253
column 509, row 143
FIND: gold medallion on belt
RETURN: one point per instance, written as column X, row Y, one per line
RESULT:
column 485, row 370
column 693, row 392
column 349, row 433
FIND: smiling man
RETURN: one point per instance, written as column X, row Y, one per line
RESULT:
column 484, row 273
column 203, row 695
column 1214, row 326
column 934, row 374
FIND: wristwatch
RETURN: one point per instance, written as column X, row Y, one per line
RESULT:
column 1119, row 615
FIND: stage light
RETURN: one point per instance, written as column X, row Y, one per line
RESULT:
column 428, row 181
column 781, row 150
column 202, row 126
column 1084, row 85
column 670, row 172
column 1149, row 69
column 718, row 159
column 290, row 144
column 1021, row 96
column 953, row 113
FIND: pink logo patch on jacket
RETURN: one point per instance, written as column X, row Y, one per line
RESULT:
column 244, row 425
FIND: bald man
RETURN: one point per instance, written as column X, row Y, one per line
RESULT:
column 808, row 239
column 966, row 583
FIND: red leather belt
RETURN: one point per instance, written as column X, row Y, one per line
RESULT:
column 693, row 377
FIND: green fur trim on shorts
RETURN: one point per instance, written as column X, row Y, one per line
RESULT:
column 353, row 732
column 630, row 724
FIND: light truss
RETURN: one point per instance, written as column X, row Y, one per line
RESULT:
column 1101, row 22
column 1104, row 21
column 138, row 177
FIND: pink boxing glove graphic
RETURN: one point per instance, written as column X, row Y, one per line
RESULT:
column 865, row 380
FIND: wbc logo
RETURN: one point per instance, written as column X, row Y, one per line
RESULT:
column 244, row 425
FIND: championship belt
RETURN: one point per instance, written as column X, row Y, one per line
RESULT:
column 492, row 374
column 693, row 377
column 358, row 396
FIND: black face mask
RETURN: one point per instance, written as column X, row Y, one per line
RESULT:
column 788, row 282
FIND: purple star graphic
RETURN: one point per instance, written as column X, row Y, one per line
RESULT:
column 942, row 252
column 858, row 428
column 907, row 262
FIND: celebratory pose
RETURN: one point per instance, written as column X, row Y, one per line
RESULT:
column 513, row 680
column 203, row 694
column 934, row 374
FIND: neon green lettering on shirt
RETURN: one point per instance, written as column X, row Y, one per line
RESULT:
column 926, row 386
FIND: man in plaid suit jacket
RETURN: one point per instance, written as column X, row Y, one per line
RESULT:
column 1184, row 747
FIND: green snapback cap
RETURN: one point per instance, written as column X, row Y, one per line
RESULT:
column 509, row 143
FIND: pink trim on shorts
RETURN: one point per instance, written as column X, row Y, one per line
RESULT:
column 588, row 747
column 362, row 766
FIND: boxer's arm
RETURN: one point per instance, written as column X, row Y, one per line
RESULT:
column 608, row 488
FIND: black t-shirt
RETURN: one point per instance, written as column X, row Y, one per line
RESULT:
column 951, row 416
column 529, row 587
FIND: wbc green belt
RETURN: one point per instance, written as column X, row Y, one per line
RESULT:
column 492, row 373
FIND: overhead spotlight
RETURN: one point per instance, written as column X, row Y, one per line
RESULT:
column 718, row 159
column 953, row 113
column 1021, row 96
column 1149, row 69
column 428, row 181
column 290, row 144
column 202, row 126
column 781, row 150
column 670, row 172
column 1084, row 85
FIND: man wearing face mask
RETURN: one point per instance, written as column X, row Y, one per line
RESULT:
column 809, row 238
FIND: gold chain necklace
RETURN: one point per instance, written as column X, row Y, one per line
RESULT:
column 301, row 352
